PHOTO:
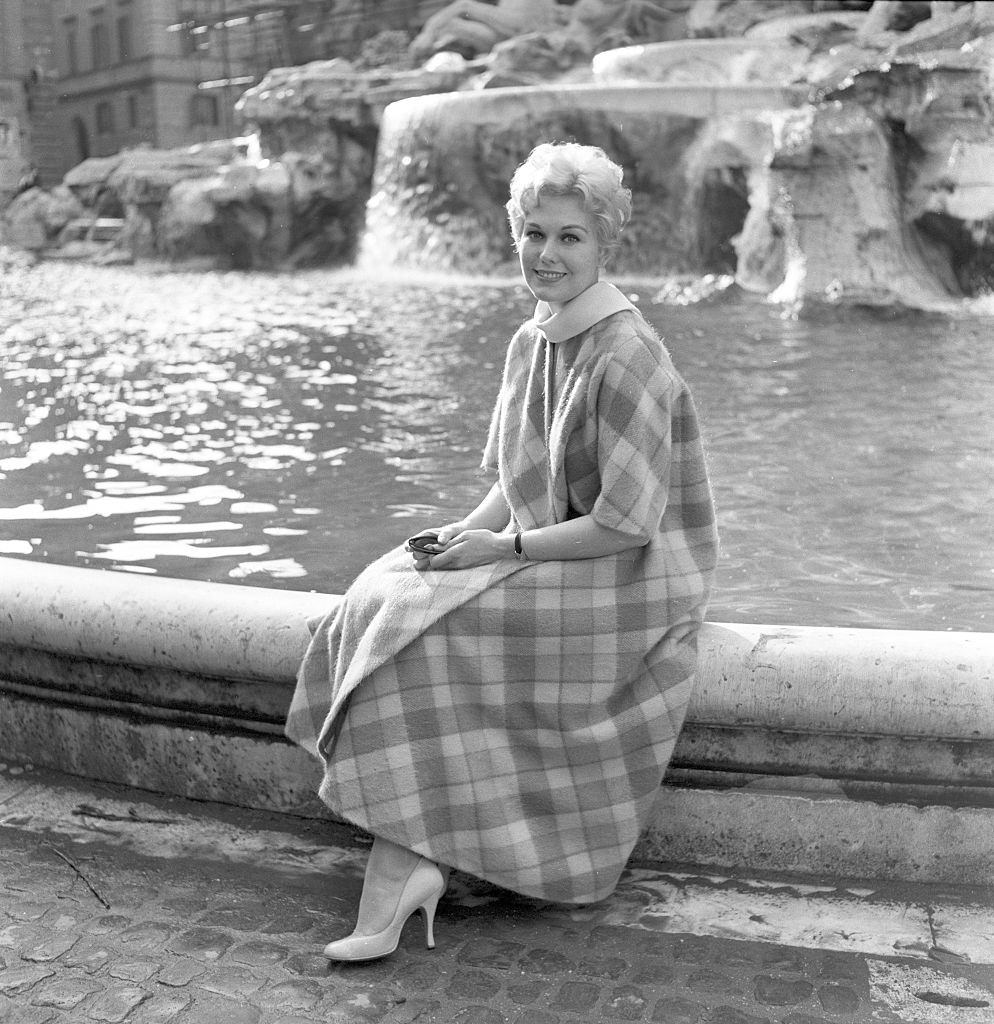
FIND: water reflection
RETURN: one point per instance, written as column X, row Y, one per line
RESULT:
column 283, row 430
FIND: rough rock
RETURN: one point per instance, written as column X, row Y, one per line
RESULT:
column 34, row 219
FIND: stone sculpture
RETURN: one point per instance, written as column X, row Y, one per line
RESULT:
column 474, row 27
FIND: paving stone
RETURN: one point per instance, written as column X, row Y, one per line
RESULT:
column 179, row 973
column 293, row 995
column 64, row 992
column 205, row 943
column 838, row 999
column 676, row 1010
column 17, row 1013
column 839, row 968
column 732, row 1015
column 19, row 936
column 232, row 983
column 616, row 938
column 115, row 1004
column 60, row 922
column 535, row 1017
column 241, row 919
column 416, row 976
column 48, row 949
column 308, row 965
column 473, row 985
column 713, row 983
column 134, row 970
column 414, row 1011
column 653, row 972
column 17, row 980
column 753, row 954
column 89, row 954
column 108, row 924
column 528, row 991
column 612, row 967
column 144, row 937
column 545, row 961
column 626, row 1002
column 478, row 1015
column 27, row 911
column 218, row 1010
column 780, row 991
column 693, row 949
column 258, row 954
column 368, row 1005
column 162, row 1008
column 185, row 902
column 295, row 920
column 495, row 953
column 576, row 996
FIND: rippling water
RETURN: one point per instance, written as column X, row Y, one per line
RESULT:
column 284, row 430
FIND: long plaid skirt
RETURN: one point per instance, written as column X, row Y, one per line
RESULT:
column 522, row 735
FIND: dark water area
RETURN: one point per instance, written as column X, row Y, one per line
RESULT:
column 284, row 430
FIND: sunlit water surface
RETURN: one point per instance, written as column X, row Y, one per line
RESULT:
column 282, row 431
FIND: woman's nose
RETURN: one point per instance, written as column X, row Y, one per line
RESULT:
column 548, row 253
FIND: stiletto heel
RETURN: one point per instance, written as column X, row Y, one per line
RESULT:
column 423, row 889
column 428, row 915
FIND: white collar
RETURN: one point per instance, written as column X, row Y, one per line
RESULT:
column 591, row 306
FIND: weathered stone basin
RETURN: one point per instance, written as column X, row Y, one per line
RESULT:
column 703, row 61
column 859, row 753
column 444, row 162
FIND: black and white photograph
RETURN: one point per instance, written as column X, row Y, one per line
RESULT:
column 496, row 512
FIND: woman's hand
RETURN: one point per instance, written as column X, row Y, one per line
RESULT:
column 444, row 534
column 464, row 549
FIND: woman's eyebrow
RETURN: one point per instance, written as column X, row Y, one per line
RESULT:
column 562, row 227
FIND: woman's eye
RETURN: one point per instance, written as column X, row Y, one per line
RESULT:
column 533, row 234
column 571, row 238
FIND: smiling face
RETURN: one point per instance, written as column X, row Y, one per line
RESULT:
column 558, row 250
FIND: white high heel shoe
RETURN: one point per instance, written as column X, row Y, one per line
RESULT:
column 422, row 891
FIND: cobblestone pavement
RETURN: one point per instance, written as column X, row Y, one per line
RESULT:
column 116, row 906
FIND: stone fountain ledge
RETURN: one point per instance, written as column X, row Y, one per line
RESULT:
column 859, row 753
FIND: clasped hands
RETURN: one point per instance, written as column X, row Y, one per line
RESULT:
column 459, row 548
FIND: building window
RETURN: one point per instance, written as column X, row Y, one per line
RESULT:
column 105, row 118
column 124, row 38
column 72, row 51
column 193, row 36
column 99, row 51
column 205, row 110
column 132, row 110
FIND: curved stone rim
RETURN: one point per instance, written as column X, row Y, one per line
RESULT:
column 816, row 679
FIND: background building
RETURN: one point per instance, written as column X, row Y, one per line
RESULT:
column 28, row 133
column 167, row 73
column 161, row 73
column 84, row 78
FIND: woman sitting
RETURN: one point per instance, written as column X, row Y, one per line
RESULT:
column 505, row 698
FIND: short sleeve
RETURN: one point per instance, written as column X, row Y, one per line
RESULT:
column 634, row 407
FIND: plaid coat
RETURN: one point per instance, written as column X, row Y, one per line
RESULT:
column 515, row 720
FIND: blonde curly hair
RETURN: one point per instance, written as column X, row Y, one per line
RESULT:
column 568, row 168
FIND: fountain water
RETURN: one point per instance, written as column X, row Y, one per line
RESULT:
column 827, row 193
